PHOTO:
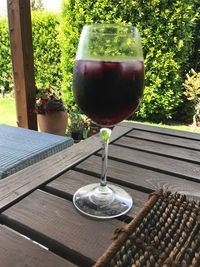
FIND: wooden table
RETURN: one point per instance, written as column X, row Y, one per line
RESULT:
column 36, row 203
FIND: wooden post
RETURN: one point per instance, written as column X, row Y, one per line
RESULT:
column 20, row 29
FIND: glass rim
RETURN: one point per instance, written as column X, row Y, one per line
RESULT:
column 110, row 25
column 90, row 28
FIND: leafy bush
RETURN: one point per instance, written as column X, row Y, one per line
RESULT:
column 192, row 86
column 170, row 39
column 166, row 29
column 46, row 47
column 6, row 79
column 192, row 92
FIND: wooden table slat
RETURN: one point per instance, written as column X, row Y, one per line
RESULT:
column 56, row 224
column 139, row 177
column 159, row 163
column 162, row 130
column 179, row 141
column 18, row 251
column 164, row 149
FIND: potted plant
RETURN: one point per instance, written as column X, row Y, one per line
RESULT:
column 51, row 112
column 80, row 126
column 192, row 92
column 76, row 124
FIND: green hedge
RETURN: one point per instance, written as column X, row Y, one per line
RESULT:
column 166, row 29
column 6, row 78
column 47, row 53
column 170, row 38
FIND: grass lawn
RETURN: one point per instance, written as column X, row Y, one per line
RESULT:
column 8, row 115
column 7, row 110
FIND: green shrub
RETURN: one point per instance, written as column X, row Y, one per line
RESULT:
column 46, row 46
column 170, row 39
column 6, row 79
column 192, row 92
column 166, row 28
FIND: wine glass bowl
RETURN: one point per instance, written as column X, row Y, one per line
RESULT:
column 108, row 87
column 108, row 65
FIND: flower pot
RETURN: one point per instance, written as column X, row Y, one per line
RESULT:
column 53, row 122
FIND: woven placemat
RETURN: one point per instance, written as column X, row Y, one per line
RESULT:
column 166, row 232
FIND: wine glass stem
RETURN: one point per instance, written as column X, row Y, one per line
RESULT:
column 104, row 158
column 105, row 136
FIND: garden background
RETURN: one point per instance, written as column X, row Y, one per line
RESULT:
column 170, row 39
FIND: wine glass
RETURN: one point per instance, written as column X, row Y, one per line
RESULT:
column 108, row 87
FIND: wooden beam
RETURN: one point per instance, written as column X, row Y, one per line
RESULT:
column 20, row 29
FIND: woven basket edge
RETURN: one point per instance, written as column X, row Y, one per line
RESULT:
column 122, row 233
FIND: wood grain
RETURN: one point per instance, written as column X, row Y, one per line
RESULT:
column 68, row 183
column 163, row 130
column 166, row 139
column 140, row 178
column 18, row 251
column 154, row 147
column 21, row 183
column 56, row 224
column 19, row 17
column 163, row 164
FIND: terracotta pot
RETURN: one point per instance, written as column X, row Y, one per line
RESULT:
column 54, row 122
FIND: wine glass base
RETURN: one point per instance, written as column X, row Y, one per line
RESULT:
column 102, row 202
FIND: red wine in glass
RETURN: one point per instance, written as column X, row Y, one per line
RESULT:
column 108, row 86
column 108, row 92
